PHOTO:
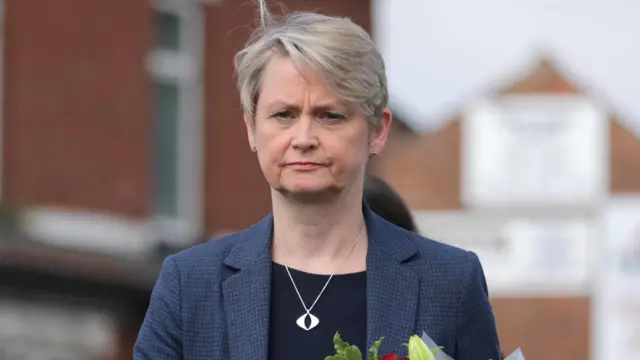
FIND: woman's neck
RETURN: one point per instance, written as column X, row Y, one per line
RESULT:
column 317, row 237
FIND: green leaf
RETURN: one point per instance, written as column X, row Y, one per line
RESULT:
column 352, row 353
column 339, row 345
column 344, row 350
column 373, row 352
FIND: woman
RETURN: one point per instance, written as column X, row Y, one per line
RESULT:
column 314, row 92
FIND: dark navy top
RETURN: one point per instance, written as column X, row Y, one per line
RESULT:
column 342, row 307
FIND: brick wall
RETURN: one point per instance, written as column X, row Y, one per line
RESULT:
column 76, row 120
column 545, row 328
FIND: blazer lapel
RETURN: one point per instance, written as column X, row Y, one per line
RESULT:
column 392, row 289
column 247, row 294
column 392, row 285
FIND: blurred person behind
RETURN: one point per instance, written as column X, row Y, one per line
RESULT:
column 386, row 202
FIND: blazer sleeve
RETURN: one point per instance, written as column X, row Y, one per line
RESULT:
column 477, row 336
column 160, row 337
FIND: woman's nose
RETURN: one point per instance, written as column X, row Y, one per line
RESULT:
column 304, row 137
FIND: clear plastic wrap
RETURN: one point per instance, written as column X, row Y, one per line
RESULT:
column 442, row 355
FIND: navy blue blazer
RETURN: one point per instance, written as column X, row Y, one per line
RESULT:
column 211, row 302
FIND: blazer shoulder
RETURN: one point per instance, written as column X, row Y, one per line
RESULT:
column 208, row 254
column 445, row 257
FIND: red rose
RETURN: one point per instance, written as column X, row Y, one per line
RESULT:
column 392, row 357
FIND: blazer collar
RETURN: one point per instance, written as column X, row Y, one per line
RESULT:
column 253, row 244
column 393, row 285
column 255, row 241
column 247, row 293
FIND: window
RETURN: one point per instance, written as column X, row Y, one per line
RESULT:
column 166, row 148
column 175, row 66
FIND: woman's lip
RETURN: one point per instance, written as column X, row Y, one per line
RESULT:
column 304, row 165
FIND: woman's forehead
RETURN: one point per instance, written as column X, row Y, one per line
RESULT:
column 284, row 85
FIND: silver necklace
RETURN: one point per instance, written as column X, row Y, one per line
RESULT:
column 301, row 321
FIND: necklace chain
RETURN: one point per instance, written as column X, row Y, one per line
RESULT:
column 308, row 309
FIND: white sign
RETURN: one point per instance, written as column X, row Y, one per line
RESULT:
column 616, row 325
column 552, row 254
column 616, row 303
column 621, row 247
column 534, row 151
column 530, row 256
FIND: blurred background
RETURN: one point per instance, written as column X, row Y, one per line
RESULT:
column 516, row 136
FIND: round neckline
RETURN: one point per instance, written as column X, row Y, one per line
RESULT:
column 305, row 273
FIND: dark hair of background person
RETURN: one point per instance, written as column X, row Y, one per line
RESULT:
column 385, row 201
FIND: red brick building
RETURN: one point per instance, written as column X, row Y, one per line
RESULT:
column 121, row 125
column 427, row 171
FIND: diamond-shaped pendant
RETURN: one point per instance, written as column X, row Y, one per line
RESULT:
column 303, row 323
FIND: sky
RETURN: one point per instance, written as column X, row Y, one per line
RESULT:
column 441, row 54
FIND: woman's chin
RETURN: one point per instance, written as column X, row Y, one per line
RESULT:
column 309, row 189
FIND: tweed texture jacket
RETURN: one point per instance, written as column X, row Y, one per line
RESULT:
column 211, row 302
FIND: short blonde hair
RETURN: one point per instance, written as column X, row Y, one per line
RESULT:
column 340, row 52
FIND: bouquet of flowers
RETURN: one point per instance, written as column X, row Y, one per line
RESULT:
column 420, row 348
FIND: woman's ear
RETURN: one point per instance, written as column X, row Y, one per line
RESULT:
column 250, row 134
column 381, row 132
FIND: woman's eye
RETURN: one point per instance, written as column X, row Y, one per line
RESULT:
column 332, row 117
column 283, row 115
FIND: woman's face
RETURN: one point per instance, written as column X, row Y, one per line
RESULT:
column 308, row 141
